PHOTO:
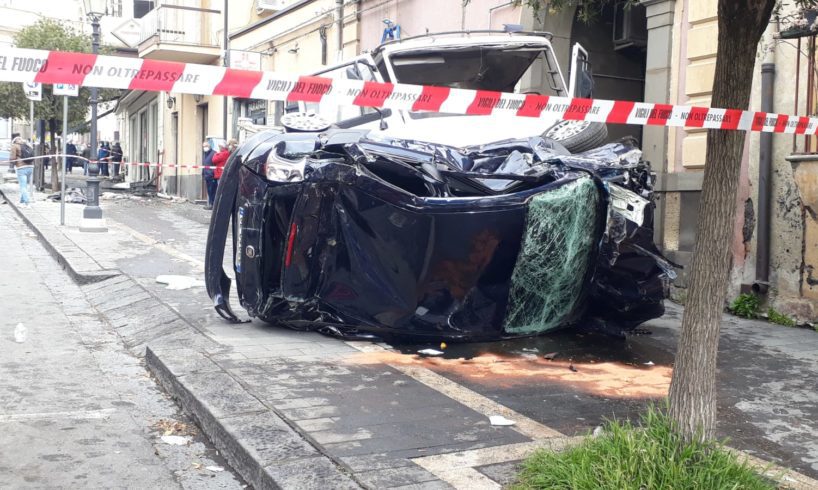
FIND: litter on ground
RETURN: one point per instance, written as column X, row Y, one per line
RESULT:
column 179, row 282
column 500, row 421
column 430, row 352
column 175, row 440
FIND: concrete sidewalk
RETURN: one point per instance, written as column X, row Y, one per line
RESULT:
column 277, row 402
column 77, row 410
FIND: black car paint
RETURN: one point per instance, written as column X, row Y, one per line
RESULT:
column 348, row 250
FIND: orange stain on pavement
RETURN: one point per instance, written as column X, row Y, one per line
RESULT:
column 606, row 379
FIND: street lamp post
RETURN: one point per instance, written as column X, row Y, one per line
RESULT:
column 92, row 214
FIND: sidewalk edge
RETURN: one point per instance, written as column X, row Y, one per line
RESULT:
column 79, row 277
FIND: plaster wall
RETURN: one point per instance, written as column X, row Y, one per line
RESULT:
column 792, row 229
column 417, row 17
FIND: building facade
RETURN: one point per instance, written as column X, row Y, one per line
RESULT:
column 169, row 128
column 658, row 51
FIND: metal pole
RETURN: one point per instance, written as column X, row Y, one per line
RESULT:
column 765, row 176
column 31, row 119
column 64, row 140
column 92, row 213
column 226, row 63
column 339, row 34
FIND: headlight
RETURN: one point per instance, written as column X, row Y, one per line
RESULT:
column 287, row 160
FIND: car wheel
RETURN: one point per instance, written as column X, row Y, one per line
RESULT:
column 578, row 136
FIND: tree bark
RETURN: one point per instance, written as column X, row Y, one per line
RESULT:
column 693, row 387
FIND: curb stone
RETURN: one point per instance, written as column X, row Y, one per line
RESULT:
column 258, row 444
column 239, row 439
column 59, row 246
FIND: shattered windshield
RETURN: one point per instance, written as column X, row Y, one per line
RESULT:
column 497, row 68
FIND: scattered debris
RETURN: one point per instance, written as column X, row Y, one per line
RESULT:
column 176, row 440
column 115, row 196
column 168, row 197
column 443, row 346
column 572, row 368
column 198, row 466
column 174, row 427
column 214, row 469
column 550, row 356
column 430, row 352
column 111, row 196
column 73, row 195
column 649, row 363
column 121, row 185
column 597, row 431
column 528, row 349
column 20, row 333
column 179, row 282
column 499, row 420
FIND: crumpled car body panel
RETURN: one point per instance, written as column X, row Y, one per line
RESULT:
column 374, row 239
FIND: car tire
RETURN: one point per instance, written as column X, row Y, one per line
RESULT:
column 578, row 136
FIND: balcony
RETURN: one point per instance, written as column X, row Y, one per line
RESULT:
column 180, row 33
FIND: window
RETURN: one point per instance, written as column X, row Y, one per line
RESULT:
column 142, row 7
column 357, row 70
column 115, row 8
column 257, row 111
column 805, row 90
column 500, row 68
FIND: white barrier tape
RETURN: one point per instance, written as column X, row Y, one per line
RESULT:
column 137, row 164
column 32, row 65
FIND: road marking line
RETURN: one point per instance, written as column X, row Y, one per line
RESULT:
column 173, row 252
column 78, row 414
column 458, row 469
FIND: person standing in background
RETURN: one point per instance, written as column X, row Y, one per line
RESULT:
column 70, row 161
column 21, row 155
column 116, row 157
column 102, row 156
column 208, row 174
column 219, row 159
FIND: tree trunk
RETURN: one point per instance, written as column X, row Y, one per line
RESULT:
column 693, row 387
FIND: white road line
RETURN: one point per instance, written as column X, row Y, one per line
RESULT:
column 458, row 469
column 77, row 415
column 173, row 252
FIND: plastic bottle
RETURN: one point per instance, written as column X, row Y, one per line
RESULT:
column 20, row 333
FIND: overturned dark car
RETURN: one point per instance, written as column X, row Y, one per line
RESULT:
column 354, row 233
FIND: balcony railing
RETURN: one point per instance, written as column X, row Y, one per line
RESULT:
column 177, row 24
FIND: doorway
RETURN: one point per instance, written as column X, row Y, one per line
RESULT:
column 174, row 137
column 203, row 131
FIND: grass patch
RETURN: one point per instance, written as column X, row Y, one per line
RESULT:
column 746, row 305
column 650, row 455
column 779, row 318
